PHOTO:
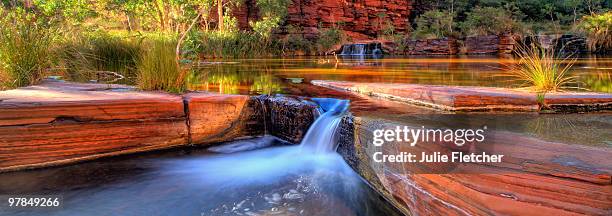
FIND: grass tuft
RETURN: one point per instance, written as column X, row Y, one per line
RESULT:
column 86, row 57
column 540, row 69
column 158, row 68
column 24, row 50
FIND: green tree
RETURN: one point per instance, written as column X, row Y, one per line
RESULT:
column 272, row 13
column 488, row 21
column 434, row 24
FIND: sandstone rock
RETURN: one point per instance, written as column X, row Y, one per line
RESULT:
column 464, row 98
column 289, row 118
column 532, row 179
column 482, row 44
column 445, row 46
column 217, row 118
column 56, row 123
column 360, row 19
column 489, row 44
column 59, row 122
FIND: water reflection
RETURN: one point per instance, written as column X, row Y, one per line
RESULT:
column 269, row 76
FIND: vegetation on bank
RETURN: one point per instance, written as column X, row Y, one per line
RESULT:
column 598, row 30
column 25, row 47
column 92, row 40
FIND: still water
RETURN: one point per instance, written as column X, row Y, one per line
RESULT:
column 257, row 76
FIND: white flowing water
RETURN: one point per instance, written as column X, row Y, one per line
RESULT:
column 359, row 49
column 322, row 136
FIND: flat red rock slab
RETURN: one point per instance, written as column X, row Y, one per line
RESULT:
column 54, row 100
column 60, row 122
column 465, row 98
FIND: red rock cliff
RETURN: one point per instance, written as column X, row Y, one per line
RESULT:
column 361, row 19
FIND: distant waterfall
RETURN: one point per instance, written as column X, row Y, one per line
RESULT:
column 322, row 134
column 362, row 49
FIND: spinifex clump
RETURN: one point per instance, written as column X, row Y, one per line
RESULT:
column 541, row 69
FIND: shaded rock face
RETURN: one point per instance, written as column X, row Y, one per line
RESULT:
column 288, row 118
column 535, row 176
column 489, row 44
column 361, row 19
column 444, row 46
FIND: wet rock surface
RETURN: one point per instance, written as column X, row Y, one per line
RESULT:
column 289, row 118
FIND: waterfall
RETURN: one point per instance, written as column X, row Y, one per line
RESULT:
column 359, row 49
column 346, row 50
column 362, row 49
column 322, row 134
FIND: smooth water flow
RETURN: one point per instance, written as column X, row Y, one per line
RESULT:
column 261, row 176
column 322, row 135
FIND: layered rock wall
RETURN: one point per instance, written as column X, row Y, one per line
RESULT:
column 445, row 46
column 361, row 19
column 489, row 44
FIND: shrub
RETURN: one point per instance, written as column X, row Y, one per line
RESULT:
column 294, row 44
column 25, row 48
column 237, row 44
column 489, row 21
column 598, row 30
column 158, row 68
column 328, row 38
column 433, row 24
column 540, row 69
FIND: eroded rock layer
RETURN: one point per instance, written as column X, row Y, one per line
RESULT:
column 536, row 176
column 217, row 118
column 54, row 123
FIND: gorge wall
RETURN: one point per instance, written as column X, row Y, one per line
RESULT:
column 360, row 19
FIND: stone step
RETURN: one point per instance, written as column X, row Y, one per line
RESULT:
column 473, row 99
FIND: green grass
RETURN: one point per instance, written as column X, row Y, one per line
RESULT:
column 86, row 57
column 25, row 48
column 540, row 69
column 158, row 68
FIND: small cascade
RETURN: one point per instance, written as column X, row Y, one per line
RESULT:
column 362, row 49
column 358, row 49
column 346, row 49
column 322, row 136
